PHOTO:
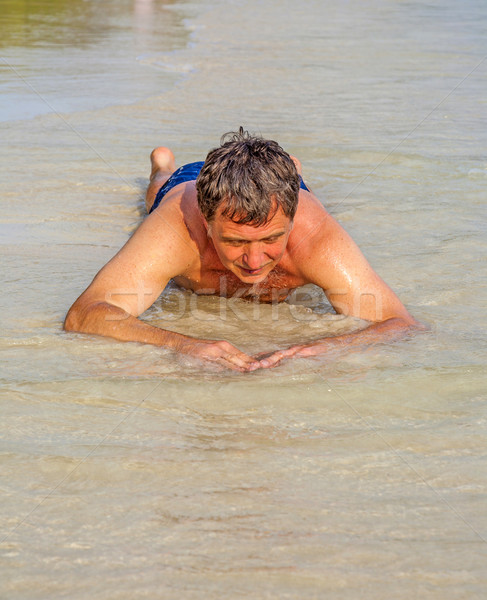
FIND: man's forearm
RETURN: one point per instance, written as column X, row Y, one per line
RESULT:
column 385, row 331
column 102, row 318
column 376, row 332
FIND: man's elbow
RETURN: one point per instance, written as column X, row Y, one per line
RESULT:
column 80, row 316
column 99, row 318
column 73, row 320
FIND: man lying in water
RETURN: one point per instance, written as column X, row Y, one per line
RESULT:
column 241, row 224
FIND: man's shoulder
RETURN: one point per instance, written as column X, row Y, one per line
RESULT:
column 180, row 204
column 178, row 220
column 309, row 222
column 317, row 240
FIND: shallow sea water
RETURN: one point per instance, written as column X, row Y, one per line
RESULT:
column 127, row 472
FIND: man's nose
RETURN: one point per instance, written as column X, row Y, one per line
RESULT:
column 253, row 256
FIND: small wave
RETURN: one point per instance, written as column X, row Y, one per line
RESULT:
column 169, row 63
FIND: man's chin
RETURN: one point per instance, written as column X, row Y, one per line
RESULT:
column 249, row 276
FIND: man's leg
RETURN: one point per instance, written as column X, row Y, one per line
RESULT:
column 162, row 167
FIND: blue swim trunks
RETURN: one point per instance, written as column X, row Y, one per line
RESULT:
column 190, row 172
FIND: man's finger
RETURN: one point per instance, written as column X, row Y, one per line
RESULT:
column 230, row 365
column 237, row 365
column 276, row 357
column 233, row 358
column 243, row 361
column 272, row 360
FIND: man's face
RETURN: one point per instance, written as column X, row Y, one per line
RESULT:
column 249, row 251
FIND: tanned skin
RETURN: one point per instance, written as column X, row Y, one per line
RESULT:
column 221, row 257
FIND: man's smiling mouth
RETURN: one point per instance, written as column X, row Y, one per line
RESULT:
column 252, row 272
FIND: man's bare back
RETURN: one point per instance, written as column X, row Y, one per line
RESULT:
column 220, row 253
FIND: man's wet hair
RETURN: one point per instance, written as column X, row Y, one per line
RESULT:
column 250, row 178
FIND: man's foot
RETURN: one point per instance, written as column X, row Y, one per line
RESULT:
column 162, row 162
column 162, row 167
column 297, row 162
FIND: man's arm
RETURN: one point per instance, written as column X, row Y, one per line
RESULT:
column 330, row 259
column 127, row 285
